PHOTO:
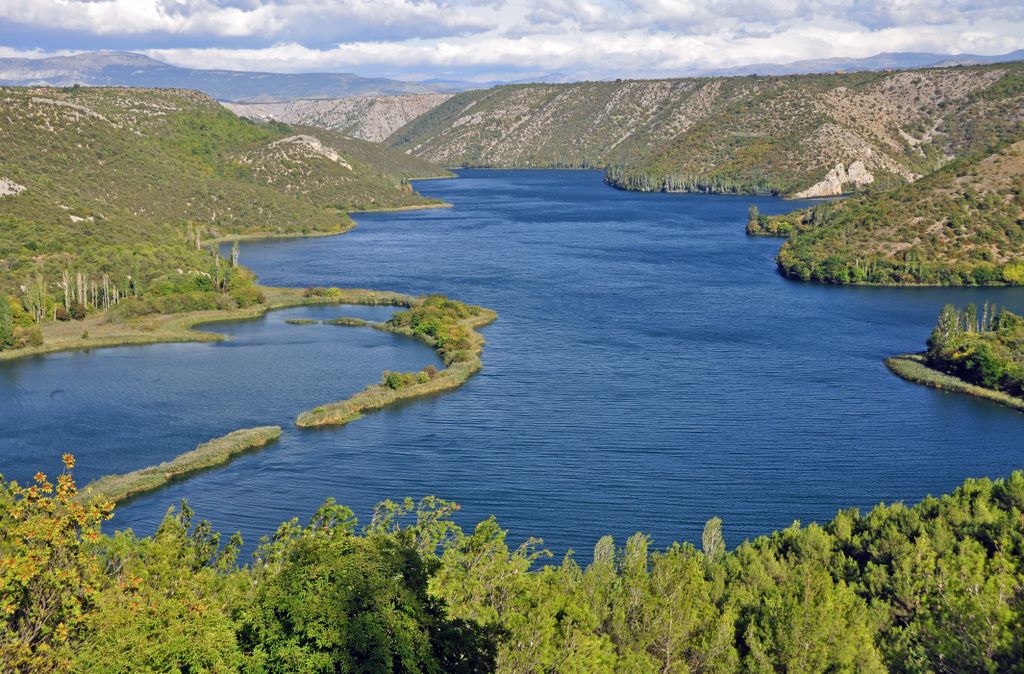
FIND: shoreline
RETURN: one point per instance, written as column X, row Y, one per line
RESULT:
column 379, row 396
column 181, row 328
column 911, row 367
column 220, row 451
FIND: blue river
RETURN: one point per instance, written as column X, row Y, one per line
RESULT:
column 649, row 370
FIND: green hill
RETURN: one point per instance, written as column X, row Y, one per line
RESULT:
column 809, row 135
column 962, row 225
column 114, row 186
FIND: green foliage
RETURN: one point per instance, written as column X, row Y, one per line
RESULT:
column 987, row 351
column 962, row 225
column 48, row 577
column 125, row 186
column 439, row 320
column 6, row 324
column 167, row 602
column 934, row 587
column 328, row 600
column 399, row 380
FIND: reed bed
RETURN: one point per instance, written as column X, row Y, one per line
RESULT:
column 913, row 368
column 118, row 487
column 347, row 321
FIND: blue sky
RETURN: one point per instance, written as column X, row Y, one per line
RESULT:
column 505, row 39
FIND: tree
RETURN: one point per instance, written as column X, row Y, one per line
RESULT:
column 6, row 324
column 712, row 541
column 49, row 578
column 328, row 600
column 947, row 328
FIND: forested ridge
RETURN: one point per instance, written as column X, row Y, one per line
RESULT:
column 934, row 587
column 112, row 199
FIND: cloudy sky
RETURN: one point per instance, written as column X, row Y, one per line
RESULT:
column 506, row 39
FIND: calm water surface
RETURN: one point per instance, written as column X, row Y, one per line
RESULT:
column 649, row 370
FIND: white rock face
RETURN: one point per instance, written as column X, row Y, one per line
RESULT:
column 858, row 174
column 837, row 179
column 371, row 118
column 312, row 146
column 8, row 188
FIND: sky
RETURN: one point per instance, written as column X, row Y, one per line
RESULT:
column 482, row 40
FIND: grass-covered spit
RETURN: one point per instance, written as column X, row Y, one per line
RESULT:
column 446, row 325
column 215, row 452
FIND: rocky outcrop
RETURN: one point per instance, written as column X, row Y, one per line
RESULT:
column 838, row 180
column 309, row 146
column 8, row 188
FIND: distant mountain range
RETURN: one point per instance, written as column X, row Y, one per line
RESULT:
column 135, row 70
column 884, row 61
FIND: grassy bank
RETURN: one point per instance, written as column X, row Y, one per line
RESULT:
column 213, row 453
column 449, row 327
column 912, row 367
column 106, row 330
column 417, row 207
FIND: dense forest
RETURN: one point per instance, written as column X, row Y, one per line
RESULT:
column 937, row 587
column 113, row 199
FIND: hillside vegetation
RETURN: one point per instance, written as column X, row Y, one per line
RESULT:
column 937, row 587
column 371, row 118
column 109, row 194
column 986, row 348
column 804, row 135
column 961, row 225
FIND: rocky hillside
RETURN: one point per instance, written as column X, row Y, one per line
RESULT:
column 962, row 225
column 806, row 135
column 371, row 118
column 121, row 181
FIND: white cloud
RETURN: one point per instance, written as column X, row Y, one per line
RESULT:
column 497, row 38
column 603, row 54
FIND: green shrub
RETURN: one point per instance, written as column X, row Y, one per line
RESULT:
column 248, row 295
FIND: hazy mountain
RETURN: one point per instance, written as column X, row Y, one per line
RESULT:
column 884, row 61
column 136, row 70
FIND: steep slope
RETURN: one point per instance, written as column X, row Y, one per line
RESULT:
column 808, row 135
column 135, row 70
column 962, row 225
column 121, row 181
column 371, row 118
column 585, row 124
